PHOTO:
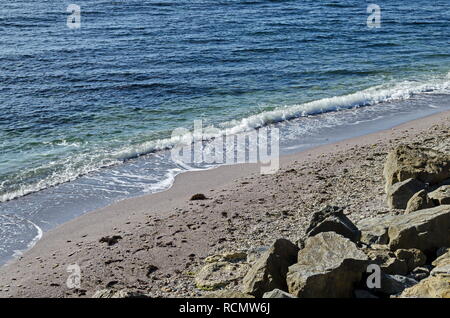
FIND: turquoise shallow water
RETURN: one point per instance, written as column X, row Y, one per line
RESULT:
column 81, row 105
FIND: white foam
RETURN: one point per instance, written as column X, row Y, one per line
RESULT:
column 371, row 96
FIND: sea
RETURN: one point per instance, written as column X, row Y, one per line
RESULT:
column 90, row 97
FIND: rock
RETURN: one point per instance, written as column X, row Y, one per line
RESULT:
column 413, row 258
column 254, row 253
column 332, row 219
column 441, row 251
column 441, row 195
column 443, row 259
column 400, row 193
column 231, row 257
column 441, row 270
column 375, row 230
column 123, row 293
column 276, row 293
column 269, row 271
column 426, row 230
column 395, row 284
column 361, row 293
column 228, row 294
column 419, row 201
column 420, row 273
column 387, row 261
column 219, row 274
column 431, row 287
column 329, row 266
column 110, row 240
column 198, row 196
column 424, row 164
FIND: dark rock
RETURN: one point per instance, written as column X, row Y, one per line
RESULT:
column 198, row 196
column 110, row 240
column 332, row 219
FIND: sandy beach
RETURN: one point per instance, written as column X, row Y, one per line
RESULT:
column 163, row 238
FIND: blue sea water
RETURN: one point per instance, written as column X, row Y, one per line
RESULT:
column 84, row 112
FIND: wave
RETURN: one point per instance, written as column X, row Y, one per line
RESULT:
column 367, row 97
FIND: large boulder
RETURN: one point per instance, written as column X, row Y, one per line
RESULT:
column 431, row 287
column 426, row 230
column 269, row 271
column 332, row 219
column 329, row 266
column 419, row 201
column 400, row 193
column 424, row 164
column 441, row 195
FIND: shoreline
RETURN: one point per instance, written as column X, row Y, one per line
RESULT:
column 170, row 228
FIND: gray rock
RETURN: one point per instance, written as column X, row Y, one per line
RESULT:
column 424, row 164
column 426, row 230
column 400, row 193
column 395, row 284
column 419, row 201
column 332, row 219
column 269, row 271
column 375, row 230
column 276, row 293
column 441, row 195
column 254, row 253
column 329, row 266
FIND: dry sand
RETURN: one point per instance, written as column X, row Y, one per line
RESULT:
column 165, row 236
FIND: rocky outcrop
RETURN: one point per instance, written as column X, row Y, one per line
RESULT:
column 329, row 266
column 441, row 195
column 400, row 193
column 269, row 271
column 419, row 201
column 423, row 164
column 332, row 219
